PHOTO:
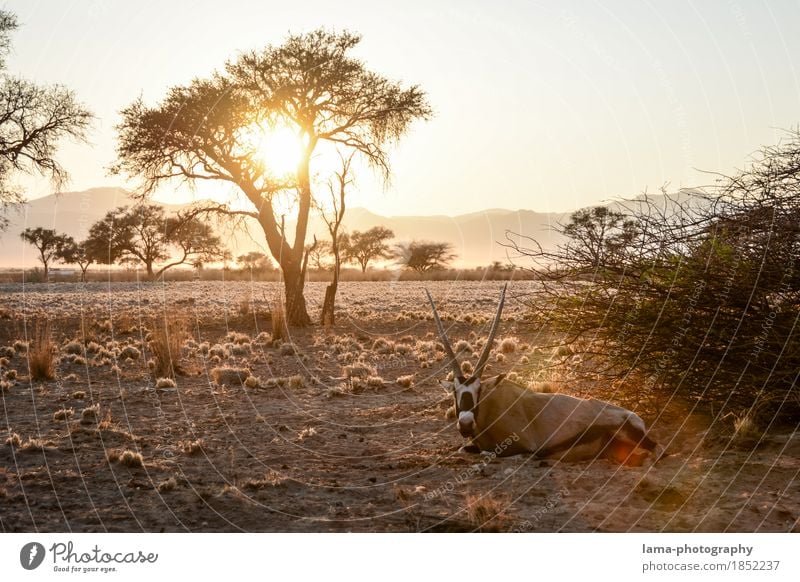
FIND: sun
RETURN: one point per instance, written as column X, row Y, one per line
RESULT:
column 278, row 149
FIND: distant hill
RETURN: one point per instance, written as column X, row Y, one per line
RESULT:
column 474, row 236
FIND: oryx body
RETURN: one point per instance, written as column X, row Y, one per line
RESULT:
column 504, row 417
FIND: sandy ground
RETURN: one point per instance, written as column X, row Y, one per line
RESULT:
column 297, row 451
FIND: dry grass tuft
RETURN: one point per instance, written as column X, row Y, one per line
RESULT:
column 405, row 381
column 126, row 458
column 165, row 344
column 63, row 414
column 271, row 479
column 167, row 485
column 41, row 353
column 252, row 382
column 165, row 383
column 194, row 447
column 230, row 375
column 280, row 327
column 509, row 345
column 484, row 512
column 89, row 414
column 34, row 445
column 129, row 352
column 13, row 440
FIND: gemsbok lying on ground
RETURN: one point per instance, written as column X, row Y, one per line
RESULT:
column 499, row 415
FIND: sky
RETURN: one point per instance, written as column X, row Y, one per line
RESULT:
column 547, row 106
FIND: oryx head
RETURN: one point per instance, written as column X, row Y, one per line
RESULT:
column 467, row 391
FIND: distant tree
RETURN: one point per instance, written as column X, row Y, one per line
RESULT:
column 48, row 242
column 33, row 119
column 255, row 262
column 144, row 234
column 368, row 246
column 423, row 256
column 319, row 255
column 211, row 129
column 82, row 253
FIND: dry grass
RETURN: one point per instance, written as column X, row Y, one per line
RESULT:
column 13, row 440
column 126, row 458
column 194, row 447
column 166, row 339
column 405, row 381
column 63, row 414
column 167, row 485
column 280, row 327
column 165, row 383
column 89, row 414
column 33, row 445
column 486, row 513
column 41, row 353
column 230, row 375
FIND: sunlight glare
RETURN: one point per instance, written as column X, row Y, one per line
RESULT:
column 279, row 149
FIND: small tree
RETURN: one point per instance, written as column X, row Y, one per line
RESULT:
column 368, row 246
column 333, row 219
column 82, row 254
column 255, row 262
column 33, row 119
column 48, row 242
column 424, row 256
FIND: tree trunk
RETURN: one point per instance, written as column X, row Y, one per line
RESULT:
column 296, row 311
column 150, row 274
column 328, row 306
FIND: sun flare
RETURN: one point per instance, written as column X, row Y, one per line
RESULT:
column 279, row 149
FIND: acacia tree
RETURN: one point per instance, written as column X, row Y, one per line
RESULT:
column 48, row 242
column 144, row 234
column 368, row 246
column 82, row 253
column 311, row 85
column 423, row 256
column 33, row 119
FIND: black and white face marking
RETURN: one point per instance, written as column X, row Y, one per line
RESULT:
column 466, row 394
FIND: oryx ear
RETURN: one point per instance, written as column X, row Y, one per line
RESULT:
column 490, row 383
column 447, row 386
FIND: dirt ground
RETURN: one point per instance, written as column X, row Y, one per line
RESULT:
column 296, row 448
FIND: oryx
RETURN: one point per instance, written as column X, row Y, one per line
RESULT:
column 507, row 418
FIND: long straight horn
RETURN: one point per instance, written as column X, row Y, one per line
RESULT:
column 443, row 336
column 492, row 332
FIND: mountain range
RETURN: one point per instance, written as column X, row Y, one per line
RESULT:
column 475, row 237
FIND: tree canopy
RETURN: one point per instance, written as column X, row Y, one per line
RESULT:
column 210, row 130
